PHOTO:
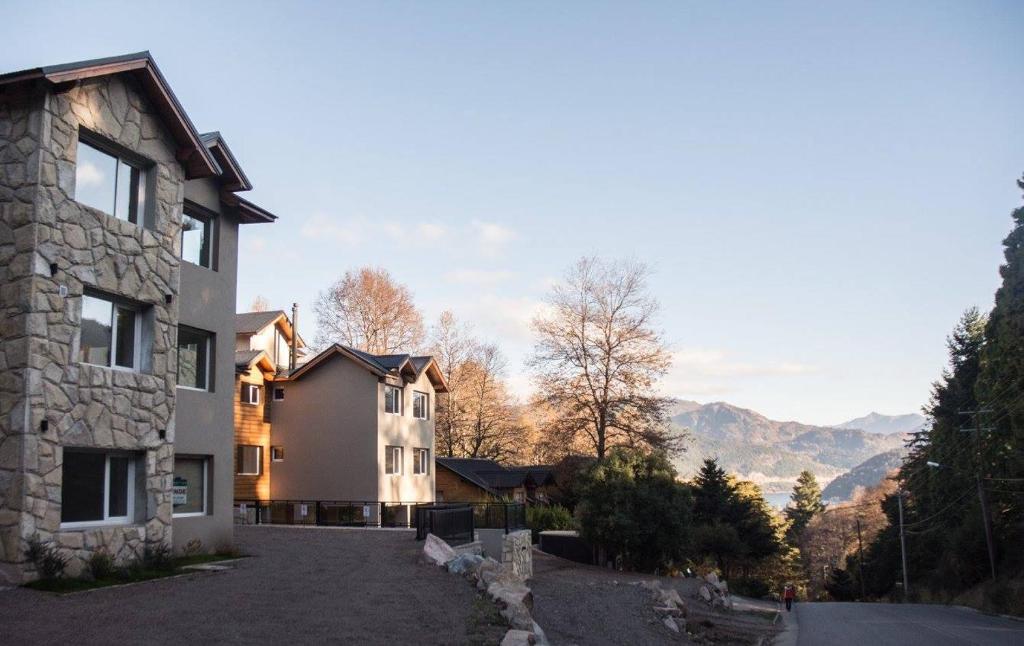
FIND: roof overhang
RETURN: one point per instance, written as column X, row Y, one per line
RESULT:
column 261, row 361
column 232, row 177
column 329, row 353
column 192, row 152
column 249, row 213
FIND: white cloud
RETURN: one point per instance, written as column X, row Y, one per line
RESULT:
column 478, row 276
column 349, row 231
column 430, row 232
column 88, row 174
column 714, row 374
column 491, row 237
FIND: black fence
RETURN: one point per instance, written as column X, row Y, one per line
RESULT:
column 452, row 523
column 354, row 513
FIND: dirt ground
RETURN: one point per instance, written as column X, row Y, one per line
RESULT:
column 300, row 586
column 584, row 605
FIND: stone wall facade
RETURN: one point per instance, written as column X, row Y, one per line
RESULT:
column 52, row 248
column 517, row 552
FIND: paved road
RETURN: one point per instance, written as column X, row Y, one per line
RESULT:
column 880, row 624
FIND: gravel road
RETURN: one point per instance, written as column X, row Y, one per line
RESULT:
column 301, row 586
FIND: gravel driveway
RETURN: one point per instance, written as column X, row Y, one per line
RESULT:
column 314, row 585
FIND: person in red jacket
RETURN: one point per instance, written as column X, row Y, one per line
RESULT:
column 789, row 593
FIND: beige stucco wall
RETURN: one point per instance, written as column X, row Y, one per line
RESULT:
column 327, row 426
column 411, row 433
column 333, row 428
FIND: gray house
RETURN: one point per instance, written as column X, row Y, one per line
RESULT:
column 118, row 249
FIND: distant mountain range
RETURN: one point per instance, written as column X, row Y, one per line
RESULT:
column 773, row 453
column 866, row 474
column 886, row 424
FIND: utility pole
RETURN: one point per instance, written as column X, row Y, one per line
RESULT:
column 860, row 560
column 903, row 547
column 986, row 520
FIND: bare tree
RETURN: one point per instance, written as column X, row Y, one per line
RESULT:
column 477, row 417
column 260, row 304
column 367, row 310
column 597, row 358
column 451, row 345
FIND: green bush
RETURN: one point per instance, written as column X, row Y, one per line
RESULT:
column 541, row 518
column 158, row 558
column 748, row 587
column 101, row 565
column 47, row 559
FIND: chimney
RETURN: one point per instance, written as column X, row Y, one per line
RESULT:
column 295, row 336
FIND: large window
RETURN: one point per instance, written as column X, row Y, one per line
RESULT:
column 420, row 405
column 393, row 460
column 97, row 488
column 188, row 493
column 250, row 394
column 106, row 182
column 111, row 333
column 421, row 461
column 194, row 358
column 197, row 237
column 392, row 400
column 249, row 460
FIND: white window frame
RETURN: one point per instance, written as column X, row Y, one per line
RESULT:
column 421, row 462
column 398, row 399
column 206, row 496
column 107, row 518
column 426, row 404
column 275, row 456
column 136, row 346
column 206, row 370
column 259, row 461
column 253, row 391
column 278, row 389
column 399, row 453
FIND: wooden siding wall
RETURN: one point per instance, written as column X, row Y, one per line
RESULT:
column 455, row 489
column 251, row 428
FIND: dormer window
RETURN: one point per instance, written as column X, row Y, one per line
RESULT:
column 106, row 181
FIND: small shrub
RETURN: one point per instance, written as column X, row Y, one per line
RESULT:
column 46, row 558
column 543, row 518
column 101, row 565
column 193, row 547
column 158, row 558
column 756, row 588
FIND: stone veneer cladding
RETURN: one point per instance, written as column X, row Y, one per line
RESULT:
column 40, row 376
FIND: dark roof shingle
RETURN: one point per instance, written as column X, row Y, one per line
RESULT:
column 253, row 322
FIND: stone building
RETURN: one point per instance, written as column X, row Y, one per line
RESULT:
column 118, row 250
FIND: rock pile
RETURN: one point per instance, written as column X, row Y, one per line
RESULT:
column 716, row 593
column 502, row 584
column 668, row 604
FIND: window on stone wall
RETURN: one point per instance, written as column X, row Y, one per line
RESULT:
column 194, row 358
column 197, row 236
column 106, row 181
column 111, row 332
column 97, row 488
column 249, row 460
column 188, row 493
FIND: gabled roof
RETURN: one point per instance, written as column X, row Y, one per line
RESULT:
column 380, row 365
column 489, row 475
column 233, row 177
column 466, row 468
column 246, row 359
column 253, row 322
column 192, row 152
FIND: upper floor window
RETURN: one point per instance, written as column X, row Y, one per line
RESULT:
column 194, row 358
column 420, row 405
column 197, row 237
column 111, row 333
column 249, row 460
column 279, row 394
column 250, row 394
column 393, row 460
column 421, row 461
column 392, row 400
column 105, row 181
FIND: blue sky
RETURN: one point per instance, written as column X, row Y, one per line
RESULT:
column 820, row 190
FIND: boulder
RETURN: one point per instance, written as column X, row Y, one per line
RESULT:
column 670, row 597
column 651, row 586
column 670, row 623
column 437, row 551
column 711, row 578
column 705, row 593
column 518, row 638
column 465, row 564
column 670, row 611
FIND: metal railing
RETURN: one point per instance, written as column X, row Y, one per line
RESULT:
column 452, row 523
column 327, row 513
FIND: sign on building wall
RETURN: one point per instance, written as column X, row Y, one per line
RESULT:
column 179, row 492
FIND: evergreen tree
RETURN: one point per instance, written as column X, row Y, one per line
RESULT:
column 805, row 501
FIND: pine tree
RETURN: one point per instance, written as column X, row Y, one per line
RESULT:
column 805, row 501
